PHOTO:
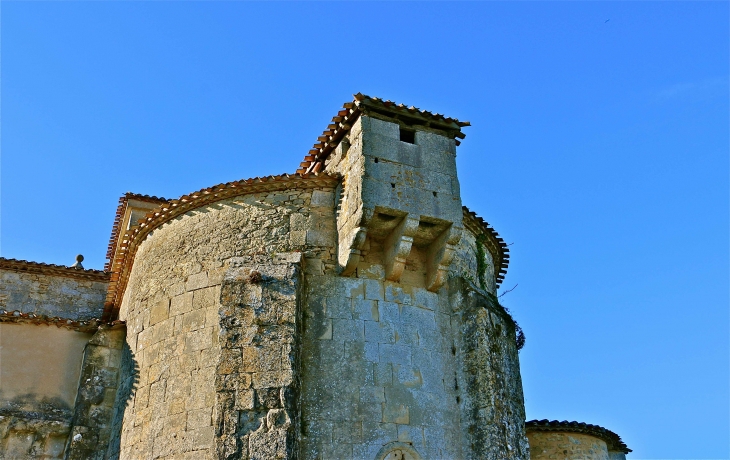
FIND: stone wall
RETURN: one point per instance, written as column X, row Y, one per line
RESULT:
column 49, row 295
column 377, row 367
column 96, row 399
column 488, row 375
column 30, row 438
column 257, row 374
column 172, row 305
column 384, row 363
column 465, row 263
column 39, row 374
column 401, row 194
column 568, row 446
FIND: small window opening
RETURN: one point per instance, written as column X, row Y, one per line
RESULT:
column 408, row 135
column 434, row 193
column 392, row 185
column 376, row 160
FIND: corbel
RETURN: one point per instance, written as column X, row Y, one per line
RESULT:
column 353, row 251
column 397, row 247
column 439, row 256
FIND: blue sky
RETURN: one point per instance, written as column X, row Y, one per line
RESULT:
column 599, row 148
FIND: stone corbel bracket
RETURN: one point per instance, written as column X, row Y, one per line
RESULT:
column 398, row 247
column 350, row 251
column 440, row 248
column 439, row 256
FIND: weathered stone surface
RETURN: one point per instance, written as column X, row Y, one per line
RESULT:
column 26, row 435
column 96, row 402
column 488, row 374
column 50, row 295
column 258, row 316
column 203, row 350
column 568, row 446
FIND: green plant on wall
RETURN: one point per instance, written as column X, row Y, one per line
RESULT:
column 481, row 262
column 482, row 278
column 519, row 333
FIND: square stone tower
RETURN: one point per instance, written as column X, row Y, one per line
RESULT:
column 400, row 193
column 402, row 357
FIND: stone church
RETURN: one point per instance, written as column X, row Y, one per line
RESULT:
column 346, row 311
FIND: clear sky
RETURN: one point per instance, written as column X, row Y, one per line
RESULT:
column 599, row 149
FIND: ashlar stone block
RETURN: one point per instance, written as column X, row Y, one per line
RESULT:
column 365, row 309
column 180, row 304
column 197, row 281
column 160, row 311
column 348, row 330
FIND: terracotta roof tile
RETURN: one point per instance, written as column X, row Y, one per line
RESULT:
column 345, row 118
column 92, row 325
column 25, row 266
column 612, row 440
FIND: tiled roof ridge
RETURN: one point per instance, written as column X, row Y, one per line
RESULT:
column 121, row 209
column 90, row 325
column 612, row 440
column 132, row 238
column 26, row 266
column 346, row 117
column 495, row 244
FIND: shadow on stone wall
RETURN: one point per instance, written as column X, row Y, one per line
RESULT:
column 128, row 381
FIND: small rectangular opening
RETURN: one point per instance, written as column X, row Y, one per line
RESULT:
column 408, row 135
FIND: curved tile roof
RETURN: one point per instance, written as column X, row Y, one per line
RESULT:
column 92, row 325
column 345, row 118
column 25, row 266
column 612, row 440
column 132, row 238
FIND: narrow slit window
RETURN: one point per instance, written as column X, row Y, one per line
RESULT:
column 408, row 135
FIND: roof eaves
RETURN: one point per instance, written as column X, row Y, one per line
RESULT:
column 116, row 228
column 495, row 244
column 612, row 440
column 25, row 266
column 91, row 325
column 132, row 238
column 346, row 117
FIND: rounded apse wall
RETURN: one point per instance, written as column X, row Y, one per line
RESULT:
column 171, row 306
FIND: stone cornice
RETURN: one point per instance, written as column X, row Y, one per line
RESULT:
column 124, row 258
column 612, row 440
column 24, row 266
column 495, row 245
